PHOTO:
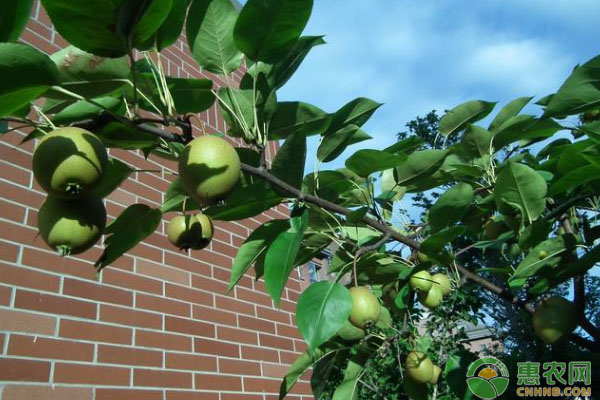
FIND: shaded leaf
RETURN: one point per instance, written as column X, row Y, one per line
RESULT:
column 290, row 117
column 518, row 186
column 113, row 175
column 83, row 110
column 267, row 29
column 134, row 224
column 419, row 164
column 246, row 202
column 365, row 162
column 14, row 15
column 26, row 74
column 191, row 95
column 451, row 206
column 290, row 159
column 356, row 112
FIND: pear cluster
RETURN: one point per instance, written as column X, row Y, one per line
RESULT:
column 69, row 164
column 209, row 169
column 420, row 371
column 430, row 289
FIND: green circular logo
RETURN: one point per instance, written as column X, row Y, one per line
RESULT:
column 487, row 378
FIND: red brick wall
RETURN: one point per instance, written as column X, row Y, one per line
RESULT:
column 156, row 325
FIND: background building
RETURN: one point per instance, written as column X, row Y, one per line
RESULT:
column 156, row 325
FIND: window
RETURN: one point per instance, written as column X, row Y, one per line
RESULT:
column 313, row 273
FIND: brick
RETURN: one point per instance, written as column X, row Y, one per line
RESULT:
column 162, row 379
column 17, row 321
column 97, row 292
column 238, row 367
column 162, row 272
column 213, row 258
column 256, row 353
column 252, row 296
column 128, row 316
column 40, row 347
column 187, row 263
column 223, row 248
column 208, row 284
column 233, row 396
column 231, row 304
column 195, row 395
column 274, row 370
column 218, row 382
column 52, row 392
column 12, row 211
column 54, row 263
column 121, row 394
column 214, row 315
column 288, row 331
column 2, row 339
column 262, row 385
column 5, row 295
column 162, row 305
column 300, row 346
column 276, row 342
column 95, row 332
column 205, row 346
column 188, row 294
column 129, row 356
column 8, row 251
column 25, row 277
column 190, row 362
column 287, row 357
column 130, row 281
column 54, row 304
column 12, row 369
column 19, row 233
column 189, row 326
column 90, row 374
column 148, row 252
column 163, row 340
column 256, row 324
column 237, row 335
column 273, row 315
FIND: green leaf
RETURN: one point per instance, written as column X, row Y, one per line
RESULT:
column 89, row 25
column 254, row 246
column 554, row 250
column 419, row 165
column 209, row 30
column 14, row 15
column 572, row 179
column 357, row 112
column 524, row 127
column 455, row 372
column 268, row 29
column 236, row 102
column 138, row 20
column 290, row 159
column 518, row 186
column 407, row 145
column 302, row 364
column 477, row 141
column 457, row 119
column 281, row 255
column 114, row 174
column 579, row 93
column 176, row 196
column 437, row 241
column 246, row 202
column 510, row 110
column 451, row 206
column 403, row 298
column 289, row 117
column 348, row 389
column 321, row 311
column 134, row 224
column 191, row 95
column 89, row 75
column 284, row 68
column 534, row 234
column 117, row 134
column 26, row 74
column 365, row 162
column 83, row 110
column 333, row 145
column 171, row 28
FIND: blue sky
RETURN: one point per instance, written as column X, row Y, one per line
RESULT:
column 417, row 56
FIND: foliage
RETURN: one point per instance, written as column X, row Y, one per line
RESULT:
column 492, row 219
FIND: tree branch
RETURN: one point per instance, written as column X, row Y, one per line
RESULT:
column 386, row 230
